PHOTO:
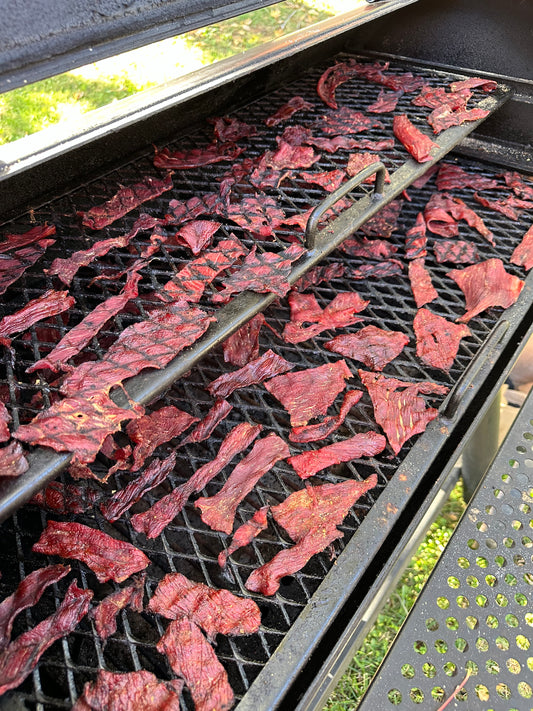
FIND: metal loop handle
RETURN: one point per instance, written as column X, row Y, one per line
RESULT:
column 312, row 232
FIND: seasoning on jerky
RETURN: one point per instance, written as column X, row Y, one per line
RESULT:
column 518, row 185
column 484, row 285
column 437, row 339
column 385, row 222
column 205, row 427
column 358, row 161
column 150, row 431
column 105, row 614
column 346, row 120
column 308, row 393
column 456, row 251
column 129, row 691
column 61, row 498
column 421, row 286
column 418, row 144
column 308, row 319
column 245, row 534
column 333, row 77
column 522, row 255
column 386, row 102
column 228, row 129
column 372, row 346
column 316, row 275
column 5, row 419
column 310, row 517
column 451, row 177
column 508, row 206
column 13, row 463
column 108, row 558
column 256, row 371
column 243, row 346
column 218, row 512
column 330, row 180
column 398, row 407
column 154, row 520
column 48, row 304
column 387, row 268
column 13, row 265
column 320, row 430
column 180, row 160
column 36, row 234
column 297, row 103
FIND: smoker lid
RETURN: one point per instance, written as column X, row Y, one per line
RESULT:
column 41, row 38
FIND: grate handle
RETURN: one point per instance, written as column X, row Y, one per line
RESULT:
column 312, row 233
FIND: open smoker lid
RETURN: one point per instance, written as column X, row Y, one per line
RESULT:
column 41, row 38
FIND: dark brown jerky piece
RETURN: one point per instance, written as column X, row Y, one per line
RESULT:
column 65, row 498
column 329, row 180
column 254, row 372
column 437, row 339
column 12, row 460
column 131, row 691
column 215, row 611
column 416, row 239
column 105, row 615
column 371, row 249
column 297, row 103
column 230, row 130
column 486, row 84
column 5, row 418
column 243, row 346
column 451, row 176
column 245, row 534
column 154, row 474
column 48, row 304
column 348, row 121
column 127, row 199
column 308, row 393
column 386, row 102
column 484, row 285
column 456, row 251
column 518, row 185
column 508, row 206
column 332, row 145
column 359, row 161
column 154, row 520
column 317, row 275
column 195, row 157
column 385, row 222
column 523, row 253
column 398, row 407
column 442, row 118
column 333, row 77
column 390, row 267
column 308, row 319
column 149, row 431
column 197, row 234
column 310, row 517
column 420, row 278
column 372, row 346
column 320, row 430
column 218, row 512
column 13, row 266
column 260, row 215
column 108, row 558
column 418, row 144
column 36, row 234
column 193, row 659
column 205, row 427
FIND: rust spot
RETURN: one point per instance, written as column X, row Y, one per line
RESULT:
column 392, row 509
column 444, row 430
column 402, row 477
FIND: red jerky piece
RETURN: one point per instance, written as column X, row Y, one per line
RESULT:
column 443, row 118
column 192, row 658
column 425, row 177
column 22, row 656
column 263, row 273
column 451, row 176
column 154, row 474
column 260, row 215
column 372, row 346
column 245, row 534
column 320, row 430
column 416, row 239
column 456, row 251
column 308, row 319
column 218, row 512
column 205, row 427
column 332, row 145
column 127, row 199
column 297, row 103
column 317, row 275
column 13, row 266
column 308, row 393
column 230, row 130
column 215, row 611
column 347, row 120
column 5, row 418
column 153, row 521
column 365, row 444
column 375, row 72
column 197, row 234
column 180, row 160
column 48, row 304
column 105, row 615
column 518, row 185
column 310, row 517
column 443, row 208
column 398, row 407
column 332, row 78
column 484, row 285
column 108, row 558
column 113, row 691
column 358, row 161
column 65, row 498
column 384, row 223
column 36, row 234
column 27, row 594
column 243, row 346
column 330, row 180
column 256, row 371
column 523, row 253
column 390, row 267
column 150, row 431
column 12, row 460
column 264, row 177
column 385, row 103
column 289, row 156
column 296, row 135
column 438, row 98
column 437, row 339
column 486, row 84
column 420, row 278
column 508, row 206
column 417, row 143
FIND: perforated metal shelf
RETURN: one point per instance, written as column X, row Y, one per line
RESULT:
column 475, row 614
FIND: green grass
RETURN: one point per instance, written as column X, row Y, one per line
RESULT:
column 364, row 665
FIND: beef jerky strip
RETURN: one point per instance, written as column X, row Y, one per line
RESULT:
column 127, row 199
column 320, row 430
column 5, row 418
column 442, row 118
column 438, row 97
column 215, row 611
column 192, row 208
column 27, row 594
column 48, row 304
column 398, row 407
column 108, row 558
column 197, row 234
column 437, row 339
column 372, row 346
column 261, row 272
column 190, row 282
column 130, row 691
column 333, row 77
column 263, row 177
column 150, row 431
column 484, row 285
column 308, row 319
column 417, row 143
column 406, row 82
column 308, row 393
column 358, row 161
column 254, row 372
column 192, row 658
column 317, row 275
column 13, row 266
column 420, row 278
column 297, row 103
column 472, row 83
column 522, row 255
column 195, row 157
column 330, row 180
column 387, row 268
column 205, row 427
column 81, row 334
column 518, row 185
column 154, row 520
column 22, row 656
column 218, row 512
column 243, row 346
column 310, row 517
column 229, row 130
column 386, row 102
column 13, row 463
column 385, row 222
column 289, row 156
column 36, row 234
column 451, row 177
column 105, row 615
column 458, row 210
column 245, row 534
column 332, row 145
column 456, row 251
column 439, row 219
column 347, row 121
column 65, row 498
column 508, row 206
column 123, row 499
column 416, row 239
column 425, row 177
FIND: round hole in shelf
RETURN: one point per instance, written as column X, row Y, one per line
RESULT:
column 521, row 599
column 481, row 644
column 513, row 463
column 527, row 435
column 437, row 693
column 508, row 542
column 420, row 647
column 471, row 622
column 482, row 692
column 527, row 542
column 490, row 509
column 525, row 508
column 441, row 646
column 453, row 582
column 482, row 600
column 528, row 578
column 492, row 666
column 513, row 665
column 450, row 669
column 463, row 563
column 482, row 562
column 520, row 448
column 529, row 663
column 491, row 543
column 394, row 696
column 452, row 623
column 502, row 643
column 501, row 600
column 525, row 690
column 432, row 625
column 503, row 691
column 443, row 603
column 507, row 510
column 510, row 579
column 473, row 544
column 461, row 644
column 492, row 622
column 408, row 671
column 491, row 580
column 498, row 493
column 429, row 670
column 461, row 695
column 472, row 667
column 512, row 620
column 482, row 526
column 528, row 463
column 500, row 561
column 515, row 494
column 472, row 581
column 416, row 695
column 522, row 642
column 462, row 602
column 517, row 525
column 519, row 559
column 528, row 617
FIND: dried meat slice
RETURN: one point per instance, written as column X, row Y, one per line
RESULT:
column 522, row 255
column 197, row 234
column 387, row 268
column 308, row 319
column 385, row 222
column 150, row 431
column 290, row 156
column 359, row 161
column 418, row 144
column 13, row 463
column 518, row 185
column 451, row 177
column 51, row 303
column 105, row 615
column 437, row 98
column 36, row 234
column 13, row 266
column 260, row 215
column 398, row 408
column 205, row 427
column 245, row 534
column 437, row 339
column 456, row 251
column 65, row 498
column 254, row 372
column 347, row 121
column 5, row 419
column 320, row 430
column 386, row 102
column 472, row 83
column 508, row 206
column 195, row 157
column 444, row 117
column 317, row 275
column 442, row 212
column 243, row 346
column 297, row 103
column 130, row 691
column 333, row 77
column 332, row 145
column 330, row 180
column 107, row 557
column 368, row 248
column 422, row 288
column 228, row 129
column 484, row 285
column 218, row 512
column 372, row 346
column 416, row 239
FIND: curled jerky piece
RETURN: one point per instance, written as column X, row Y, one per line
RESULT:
column 386, row 102
column 197, row 234
column 420, row 278
column 320, row 430
column 308, row 319
column 12, row 460
column 13, row 266
column 105, row 615
column 417, row 143
column 372, row 346
column 36, row 234
column 65, row 498
column 521, row 187
column 205, row 427
column 108, row 558
column 297, row 103
column 437, row 339
column 131, row 691
column 416, row 239
column 256, row 371
column 245, row 534
column 508, row 206
column 442, row 212
column 333, row 77
column 228, row 129
column 48, row 304
column 444, row 117
column 523, row 253
column 181, row 160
